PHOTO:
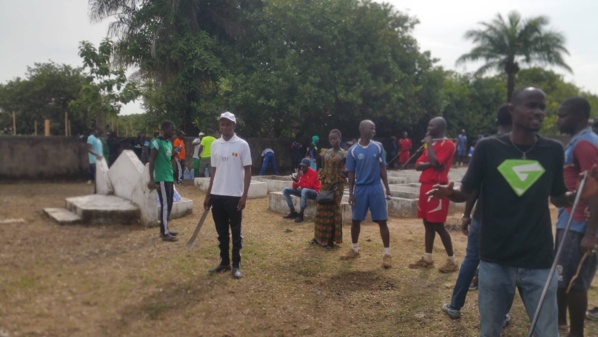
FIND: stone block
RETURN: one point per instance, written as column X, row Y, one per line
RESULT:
column 402, row 207
column 62, row 216
column 180, row 208
column 404, row 191
column 278, row 204
column 275, row 183
column 202, row 183
column 130, row 178
column 103, row 184
column 98, row 209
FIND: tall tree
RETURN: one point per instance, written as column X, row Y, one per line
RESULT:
column 45, row 92
column 177, row 46
column 505, row 44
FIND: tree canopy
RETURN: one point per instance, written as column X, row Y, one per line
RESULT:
column 504, row 45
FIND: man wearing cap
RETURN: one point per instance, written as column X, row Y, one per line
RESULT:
column 196, row 145
column 179, row 143
column 305, row 185
column 205, row 153
column 227, row 193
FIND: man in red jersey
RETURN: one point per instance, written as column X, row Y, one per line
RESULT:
column 435, row 164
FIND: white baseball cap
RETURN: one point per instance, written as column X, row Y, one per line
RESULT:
column 201, row 134
column 230, row 116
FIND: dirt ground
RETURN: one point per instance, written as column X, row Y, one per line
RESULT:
column 123, row 281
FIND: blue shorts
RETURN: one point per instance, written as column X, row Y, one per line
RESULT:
column 569, row 262
column 372, row 197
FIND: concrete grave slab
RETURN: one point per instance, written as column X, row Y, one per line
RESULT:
column 103, row 184
column 11, row 221
column 125, row 173
column 62, row 216
column 275, row 183
column 99, row 209
column 180, row 208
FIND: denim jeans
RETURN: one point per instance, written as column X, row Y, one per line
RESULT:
column 496, row 290
column 304, row 193
column 468, row 266
column 269, row 159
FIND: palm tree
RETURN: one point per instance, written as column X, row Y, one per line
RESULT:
column 504, row 45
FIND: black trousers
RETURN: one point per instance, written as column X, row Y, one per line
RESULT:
column 165, row 193
column 226, row 215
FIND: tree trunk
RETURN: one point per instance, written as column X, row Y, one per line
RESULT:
column 510, row 85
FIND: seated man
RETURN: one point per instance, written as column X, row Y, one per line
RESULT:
column 305, row 185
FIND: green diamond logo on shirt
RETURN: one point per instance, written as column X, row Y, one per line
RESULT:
column 521, row 174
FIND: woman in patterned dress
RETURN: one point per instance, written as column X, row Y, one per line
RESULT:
column 328, row 221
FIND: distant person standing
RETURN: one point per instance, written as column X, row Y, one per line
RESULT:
column 329, row 218
column 95, row 149
column 269, row 160
column 581, row 153
column 405, row 145
column 462, row 150
column 196, row 146
column 145, row 151
column 160, row 169
column 137, row 145
column 227, row 193
column 205, row 150
column 434, row 165
column 392, row 151
column 366, row 166
column 313, row 152
column 179, row 143
column 296, row 151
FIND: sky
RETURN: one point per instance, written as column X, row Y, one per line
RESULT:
column 42, row 30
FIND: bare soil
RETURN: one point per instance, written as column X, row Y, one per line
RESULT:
column 123, row 281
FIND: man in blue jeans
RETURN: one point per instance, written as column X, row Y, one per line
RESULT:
column 269, row 160
column 522, row 170
column 472, row 253
column 305, row 185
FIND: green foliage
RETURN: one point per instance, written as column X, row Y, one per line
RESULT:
column 505, row 44
column 470, row 103
column 46, row 91
column 106, row 88
column 314, row 65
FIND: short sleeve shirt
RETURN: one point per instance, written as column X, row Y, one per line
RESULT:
column 229, row 158
column 445, row 151
column 516, row 228
column 96, row 145
column 206, row 142
column 196, row 147
column 366, row 161
column 163, row 163
column 179, row 142
column 580, row 155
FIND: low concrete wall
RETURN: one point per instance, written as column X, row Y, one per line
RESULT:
column 60, row 157
column 31, row 158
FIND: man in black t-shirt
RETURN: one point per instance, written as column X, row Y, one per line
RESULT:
column 515, row 174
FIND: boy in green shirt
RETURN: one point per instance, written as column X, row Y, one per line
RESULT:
column 160, row 169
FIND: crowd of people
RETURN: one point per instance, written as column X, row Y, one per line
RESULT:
column 511, row 241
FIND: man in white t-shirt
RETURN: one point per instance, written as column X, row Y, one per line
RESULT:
column 196, row 145
column 227, row 193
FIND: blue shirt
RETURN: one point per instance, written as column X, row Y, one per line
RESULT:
column 366, row 163
column 96, row 145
